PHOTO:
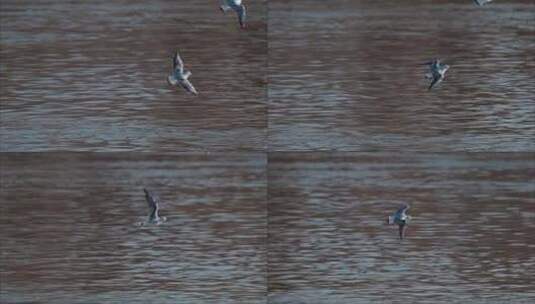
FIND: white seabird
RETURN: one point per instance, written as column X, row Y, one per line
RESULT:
column 154, row 206
column 238, row 7
column 401, row 218
column 437, row 72
column 180, row 76
column 481, row 2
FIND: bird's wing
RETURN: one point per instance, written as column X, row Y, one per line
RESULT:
column 152, row 200
column 436, row 80
column 186, row 84
column 481, row 2
column 241, row 15
column 402, row 210
column 402, row 229
column 178, row 64
column 233, row 2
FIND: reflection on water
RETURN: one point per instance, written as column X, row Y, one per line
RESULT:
column 348, row 75
column 471, row 234
column 91, row 76
column 69, row 233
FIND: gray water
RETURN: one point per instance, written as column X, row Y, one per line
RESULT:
column 70, row 228
column 470, row 240
column 91, row 76
column 349, row 75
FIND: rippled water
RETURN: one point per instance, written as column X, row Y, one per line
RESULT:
column 348, row 75
column 91, row 76
column 470, row 241
column 328, row 75
column 70, row 234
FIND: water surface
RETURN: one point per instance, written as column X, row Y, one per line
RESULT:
column 69, row 228
column 91, row 76
column 349, row 75
column 470, row 241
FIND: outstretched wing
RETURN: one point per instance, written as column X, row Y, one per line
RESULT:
column 241, row 15
column 402, row 210
column 152, row 200
column 178, row 64
column 402, row 229
column 186, row 84
column 436, row 80
column 481, row 2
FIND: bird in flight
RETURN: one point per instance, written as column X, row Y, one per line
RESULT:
column 154, row 206
column 481, row 2
column 401, row 218
column 179, row 76
column 238, row 7
column 437, row 72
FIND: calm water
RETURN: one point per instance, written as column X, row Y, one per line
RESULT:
column 471, row 239
column 348, row 75
column 91, row 76
column 69, row 230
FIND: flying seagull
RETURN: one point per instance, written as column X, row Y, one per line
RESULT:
column 180, row 76
column 437, row 72
column 154, row 206
column 481, row 2
column 237, row 7
column 401, row 218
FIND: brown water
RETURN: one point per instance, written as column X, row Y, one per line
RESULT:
column 343, row 75
column 348, row 75
column 70, row 234
column 91, row 76
column 470, row 240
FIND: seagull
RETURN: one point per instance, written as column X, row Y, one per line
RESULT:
column 437, row 72
column 481, row 2
column 401, row 218
column 180, row 75
column 237, row 7
column 154, row 202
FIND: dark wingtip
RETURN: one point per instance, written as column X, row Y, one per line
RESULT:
column 401, row 231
